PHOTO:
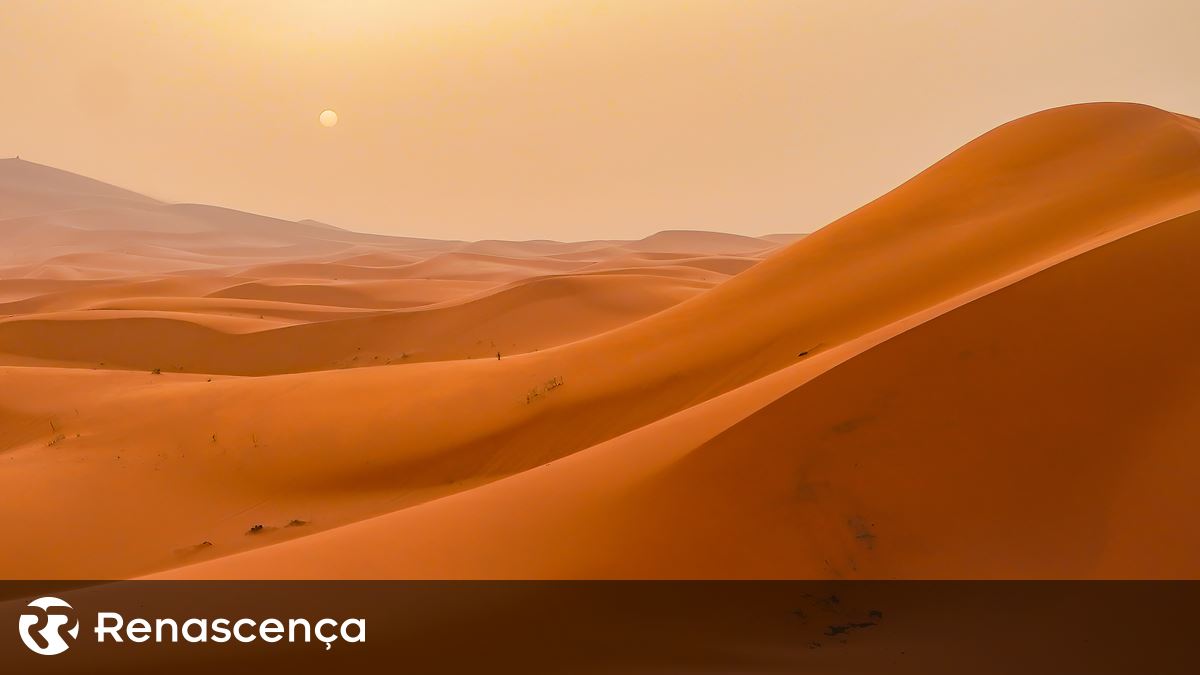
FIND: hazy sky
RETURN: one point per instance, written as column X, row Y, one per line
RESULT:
column 567, row 120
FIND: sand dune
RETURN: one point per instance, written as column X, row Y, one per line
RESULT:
column 984, row 372
column 837, row 487
column 366, row 294
column 27, row 188
column 691, row 241
column 782, row 238
column 468, row 266
column 727, row 265
column 527, row 316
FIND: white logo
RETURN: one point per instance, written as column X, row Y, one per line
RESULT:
column 43, row 626
column 52, row 615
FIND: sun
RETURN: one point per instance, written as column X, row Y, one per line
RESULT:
column 328, row 118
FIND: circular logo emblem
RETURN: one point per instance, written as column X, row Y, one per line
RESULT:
column 42, row 628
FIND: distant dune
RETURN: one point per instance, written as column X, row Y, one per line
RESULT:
column 687, row 241
column 986, row 373
column 27, row 189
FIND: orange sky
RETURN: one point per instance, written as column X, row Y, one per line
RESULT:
column 482, row 119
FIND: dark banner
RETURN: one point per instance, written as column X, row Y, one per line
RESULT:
column 600, row 627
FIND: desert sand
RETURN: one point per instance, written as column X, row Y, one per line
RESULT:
column 989, row 372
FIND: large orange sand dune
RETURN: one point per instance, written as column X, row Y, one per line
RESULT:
column 987, row 372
